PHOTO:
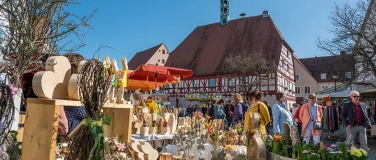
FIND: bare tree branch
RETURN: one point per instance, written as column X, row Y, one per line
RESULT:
column 249, row 67
column 33, row 29
column 354, row 29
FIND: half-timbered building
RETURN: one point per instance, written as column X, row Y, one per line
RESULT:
column 206, row 48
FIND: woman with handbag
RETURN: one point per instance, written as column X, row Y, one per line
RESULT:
column 311, row 115
column 258, row 106
column 280, row 114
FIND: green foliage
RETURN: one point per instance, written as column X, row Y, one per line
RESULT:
column 342, row 148
column 13, row 149
column 106, row 119
column 97, row 131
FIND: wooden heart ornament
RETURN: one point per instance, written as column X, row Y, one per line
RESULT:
column 53, row 82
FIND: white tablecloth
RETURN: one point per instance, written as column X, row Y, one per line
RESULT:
column 193, row 150
column 152, row 137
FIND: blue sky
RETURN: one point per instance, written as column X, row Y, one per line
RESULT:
column 132, row 26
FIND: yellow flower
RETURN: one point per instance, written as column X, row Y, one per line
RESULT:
column 228, row 147
column 355, row 152
column 364, row 152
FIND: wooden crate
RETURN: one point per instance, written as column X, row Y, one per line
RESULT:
column 121, row 121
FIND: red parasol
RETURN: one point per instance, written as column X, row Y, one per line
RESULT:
column 158, row 74
column 149, row 72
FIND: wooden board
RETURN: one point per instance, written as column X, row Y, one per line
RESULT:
column 54, row 102
column 40, row 131
column 21, row 124
column 121, row 121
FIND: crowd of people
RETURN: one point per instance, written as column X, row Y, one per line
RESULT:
column 306, row 116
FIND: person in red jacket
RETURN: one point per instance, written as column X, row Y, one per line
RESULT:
column 299, row 121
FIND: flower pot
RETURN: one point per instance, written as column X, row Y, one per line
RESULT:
column 144, row 131
column 165, row 130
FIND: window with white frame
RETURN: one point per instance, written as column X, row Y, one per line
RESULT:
column 348, row 75
column 297, row 77
column 307, row 89
column 231, row 82
column 196, row 83
column 297, row 90
column 323, row 75
column 211, row 82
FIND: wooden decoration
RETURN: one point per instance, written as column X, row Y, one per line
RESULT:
column 40, row 131
column 176, row 112
column 254, row 120
column 21, row 122
column 121, row 79
column 137, row 154
column 287, row 134
column 53, row 82
column 295, row 135
column 257, row 150
column 165, row 156
column 148, row 151
column 137, row 125
column 144, row 131
column 73, row 88
column 121, row 120
column 172, row 122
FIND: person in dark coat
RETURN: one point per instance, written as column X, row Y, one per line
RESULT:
column 271, row 115
column 355, row 117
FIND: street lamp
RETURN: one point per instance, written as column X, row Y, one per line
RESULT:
column 335, row 77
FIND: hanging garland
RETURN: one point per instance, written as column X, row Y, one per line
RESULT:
column 94, row 84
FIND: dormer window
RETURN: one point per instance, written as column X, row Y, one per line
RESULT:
column 323, row 75
column 348, row 75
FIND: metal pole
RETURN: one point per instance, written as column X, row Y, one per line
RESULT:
column 335, row 85
column 155, row 91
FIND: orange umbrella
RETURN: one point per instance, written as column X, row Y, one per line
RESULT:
column 144, row 85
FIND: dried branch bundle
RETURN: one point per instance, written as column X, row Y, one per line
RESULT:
column 33, row 29
column 6, row 111
column 94, row 85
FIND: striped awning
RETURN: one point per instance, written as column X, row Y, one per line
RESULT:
column 338, row 88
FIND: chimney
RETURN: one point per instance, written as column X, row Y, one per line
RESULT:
column 265, row 14
column 343, row 52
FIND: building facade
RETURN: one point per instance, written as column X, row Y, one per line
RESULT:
column 156, row 55
column 206, row 48
column 316, row 74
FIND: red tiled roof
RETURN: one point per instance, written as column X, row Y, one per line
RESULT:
column 205, row 49
column 142, row 57
column 328, row 64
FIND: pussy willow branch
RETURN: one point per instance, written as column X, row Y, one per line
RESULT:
column 94, row 85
